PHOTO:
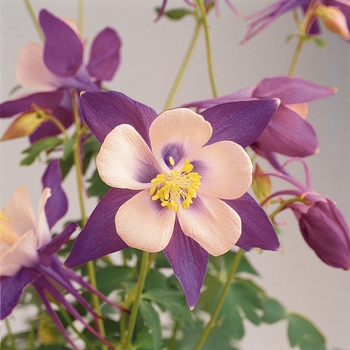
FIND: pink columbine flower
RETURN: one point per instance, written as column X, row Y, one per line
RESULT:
column 28, row 253
column 57, row 67
column 179, row 183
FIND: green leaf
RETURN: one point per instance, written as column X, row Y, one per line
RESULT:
column 302, row 333
column 176, row 14
column 151, row 319
column 68, row 147
column 47, row 144
column 97, row 187
column 319, row 42
column 273, row 311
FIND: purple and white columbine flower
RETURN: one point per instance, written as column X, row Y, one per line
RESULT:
column 57, row 68
column 179, row 183
column 28, row 253
column 264, row 18
column 288, row 132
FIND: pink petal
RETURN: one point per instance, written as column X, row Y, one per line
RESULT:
column 42, row 228
column 19, row 211
column 31, row 70
column 125, row 161
column 178, row 128
column 22, row 253
column 211, row 223
column 144, row 224
column 227, row 170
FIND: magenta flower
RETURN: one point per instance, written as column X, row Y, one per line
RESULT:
column 57, row 68
column 28, row 253
column 179, row 183
column 325, row 230
column 288, row 132
column 262, row 19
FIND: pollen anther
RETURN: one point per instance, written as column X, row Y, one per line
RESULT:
column 178, row 186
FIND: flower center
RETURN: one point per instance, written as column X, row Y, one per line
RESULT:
column 8, row 235
column 179, row 185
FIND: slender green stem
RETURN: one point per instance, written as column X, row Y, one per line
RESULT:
column 135, row 306
column 200, row 4
column 81, row 17
column 183, row 66
column 296, row 56
column 172, row 341
column 80, row 186
column 285, row 203
column 34, row 19
column 10, row 335
column 220, row 302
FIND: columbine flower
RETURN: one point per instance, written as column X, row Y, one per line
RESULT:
column 288, row 132
column 179, row 183
column 321, row 223
column 28, row 253
column 339, row 11
column 57, row 68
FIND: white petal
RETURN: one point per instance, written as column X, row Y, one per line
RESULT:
column 144, row 224
column 20, row 212
column 42, row 228
column 22, row 253
column 32, row 72
column 226, row 170
column 182, row 128
column 211, row 223
column 125, row 161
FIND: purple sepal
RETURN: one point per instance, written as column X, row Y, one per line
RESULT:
column 291, row 90
column 241, row 122
column 283, row 136
column 11, row 289
column 189, row 262
column 63, row 50
column 55, row 244
column 327, row 233
column 105, row 55
column 98, row 237
column 47, row 100
column 103, row 111
column 257, row 230
column 57, row 205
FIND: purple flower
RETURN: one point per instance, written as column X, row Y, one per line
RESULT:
column 58, row 67
column 28, row 253
column 324, row 230
column 165, row 184
column 262, row 19
column 288, row 132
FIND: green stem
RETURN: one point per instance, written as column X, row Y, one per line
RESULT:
column 183, row 67
column 34, row 19
column 296, row 56
column 80, row 186
column 135, row 306
column 172, row 341
column 220, row 302
column 81, row 17
column 10, row 335
column 208, row 48
column 285, row 203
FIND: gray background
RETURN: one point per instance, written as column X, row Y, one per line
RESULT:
column 151, row 55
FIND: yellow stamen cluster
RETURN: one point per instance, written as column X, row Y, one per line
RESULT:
column 8, row 235
column 179, row 185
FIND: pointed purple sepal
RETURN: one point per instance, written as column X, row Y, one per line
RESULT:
column 63, row 50
column 189, row 262
column 257, row 230
column 241, row 122
column 99, row 237
column 57, row 205
column 103, row 111
column 105, row 55
column 11, row 289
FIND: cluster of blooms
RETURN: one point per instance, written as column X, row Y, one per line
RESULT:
column 179, row 180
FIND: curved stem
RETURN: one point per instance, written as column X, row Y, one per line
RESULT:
column 183, row 67
column 34, row 19
column 285, row 203
column 10, row 335
column 220, row 302
column 296, row 56
column 80, row 186
column 208, row 48
column 135, row 306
